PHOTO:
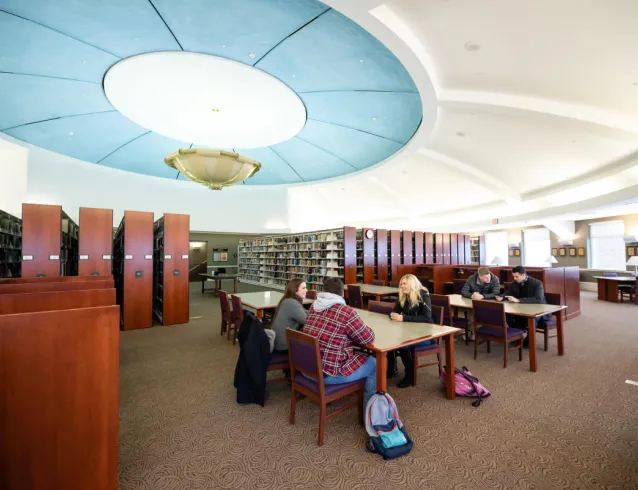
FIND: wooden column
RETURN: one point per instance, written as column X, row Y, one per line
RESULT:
column 395, row 253
column 382, row 255
column 407, row 257
column 350, row 254
column 96, row 241
column 419, row 252
column 41, row 236
column 429, row 257
column 368, row 255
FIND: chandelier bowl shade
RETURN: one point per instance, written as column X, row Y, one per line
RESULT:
column 213, row 168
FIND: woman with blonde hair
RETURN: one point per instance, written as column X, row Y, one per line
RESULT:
column 413, row 305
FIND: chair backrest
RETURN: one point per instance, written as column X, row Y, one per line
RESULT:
column 553, row 299
column 394, row 284
column 303, row 352
column 489, row 314
column 380, row 307
column 458, row 285
column 221, row 270
column 311, row 294
column 238, row 310
column 378, row 282
column 610, row 274
column 354, row 296
column 224, row 303
column 443, row 301
column 437, row 315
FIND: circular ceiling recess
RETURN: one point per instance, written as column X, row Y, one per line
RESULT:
column 208, row 100
column 293, row 84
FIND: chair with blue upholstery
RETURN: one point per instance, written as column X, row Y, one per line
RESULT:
column 545, row 326
column 303, row 352
column 420, row 351
column 491, row 326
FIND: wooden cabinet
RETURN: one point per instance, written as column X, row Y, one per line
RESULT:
column 133, row 269
column 41, row 236
column 96, row 242
column 382, row 255
column 170, row 269
column 368, row 245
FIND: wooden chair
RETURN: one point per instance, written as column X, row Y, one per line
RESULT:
column 382, row 307
column 311, row 294
column 546, row 326
column 378, row 282
column 428, row 350
column 631, row 291
column 443, row 301
column 490, row 316
column 355, row 298
column 227, row 317
column 458, row 285
column 303, row 351
column 238, row 316
column 278, row 362
column 394, row 284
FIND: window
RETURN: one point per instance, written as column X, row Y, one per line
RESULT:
column 496, row 247
column 537, row 248
column 606, row 245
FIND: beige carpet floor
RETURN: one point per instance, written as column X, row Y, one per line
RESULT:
column 573, row 424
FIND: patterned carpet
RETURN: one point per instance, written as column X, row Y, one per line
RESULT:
column 573, row 424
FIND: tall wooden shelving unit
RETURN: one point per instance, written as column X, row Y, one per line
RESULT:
column 382, row 255
column 314, row 256
column 369, row 246
column 419, row 248
column 96, row 242
column 10, row 245
column 133, row 269
column 360, row 258
column 170, row 269
column 394, row 254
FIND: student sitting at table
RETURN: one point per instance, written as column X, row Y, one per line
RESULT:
column 413, row 305
column 481, row 285
column 526, row 290
column 290, row 313
column 339, row 328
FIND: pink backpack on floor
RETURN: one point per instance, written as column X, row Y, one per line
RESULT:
column 467, row 385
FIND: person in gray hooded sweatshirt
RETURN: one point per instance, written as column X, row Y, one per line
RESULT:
column 339, row 328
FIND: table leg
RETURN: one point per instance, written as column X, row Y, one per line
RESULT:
column 382, row 368
column 377, row 298
column 260, row 314
column 602, row 289
column 449, row 367
column 559, row 333
column 531, row 333
column 203, row 282
column 612, row 291
column 235, row 285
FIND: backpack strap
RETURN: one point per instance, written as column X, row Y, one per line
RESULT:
column 473, row 380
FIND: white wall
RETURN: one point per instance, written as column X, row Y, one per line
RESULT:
column 13, row 177
column 57, row 179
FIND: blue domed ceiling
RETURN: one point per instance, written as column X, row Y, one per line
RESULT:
column 361, row 103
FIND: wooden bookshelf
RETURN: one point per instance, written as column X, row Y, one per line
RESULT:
column 313, row 256
column 10, row 245
column 133, row 269
column 394, row 253
column 419, row 249
column 369, row 249
column 454, row 252
column 428, row 243
column 359, row 254
column 382, row 255
column 407, row 248
column 96, row 242
column 170, row 269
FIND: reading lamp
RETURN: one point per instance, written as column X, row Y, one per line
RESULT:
column 634, row 261
column 497, row 260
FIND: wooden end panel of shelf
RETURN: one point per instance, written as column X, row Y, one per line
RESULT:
column 41, row 230
column 447, row 255
column 60, row 425
column 442, row 274
column 96, row 241
column 55, row 300
column 368, row 256
column 460, row 249
column 404, row 269
column 482, row 258
column 395, row 253
column 419, row 251
column 454, row 251
column 138, row 290
column 468, row 249
column 176, row 240
column 382, row 255
column 555, row 282
column 407, row 257
column 572, row 291
column 429, row 257
column 438, row 248
column 350, row 254
column 42, row 280
column 43, row 287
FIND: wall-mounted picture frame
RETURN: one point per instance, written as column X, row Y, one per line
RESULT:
column 554, row 252
column 517, row 252
column 511, row 252
column 631, row 251
column 572, row 252
column 581, row 251
column 562, row 252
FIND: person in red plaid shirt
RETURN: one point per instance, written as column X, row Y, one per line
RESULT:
column 338, row 328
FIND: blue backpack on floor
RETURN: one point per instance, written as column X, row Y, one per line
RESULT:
column 388, row 436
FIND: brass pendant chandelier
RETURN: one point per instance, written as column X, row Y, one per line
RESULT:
column 213, row 168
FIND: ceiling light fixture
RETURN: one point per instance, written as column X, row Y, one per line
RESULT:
column 374, row 118
column 213, row 168
column 252, row 55
column 470, row 46
column 71, row 134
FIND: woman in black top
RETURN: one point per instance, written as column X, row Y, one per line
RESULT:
column 413, row 306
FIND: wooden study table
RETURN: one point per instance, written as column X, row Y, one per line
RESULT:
column 529, row 311
column 218, row 278
column 608, row 286
column 390, row 335
column 266, row 300
column 377, row 291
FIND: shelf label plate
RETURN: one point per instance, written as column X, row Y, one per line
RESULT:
column 148, row 257
column 106, row 257
column 185, row 256
column 128, row 257
column 27, row 257
column 167, row 256
column 84, row 257
column 54, row 257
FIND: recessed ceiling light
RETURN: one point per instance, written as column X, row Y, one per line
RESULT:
column 374, row 118
column 223, row 45
column 470, row 46
column 136, row 38
column 360, row 61
column 252, row 55
column 84, row 62
column 293, row 76
column 460, row 133
column 71, row 134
